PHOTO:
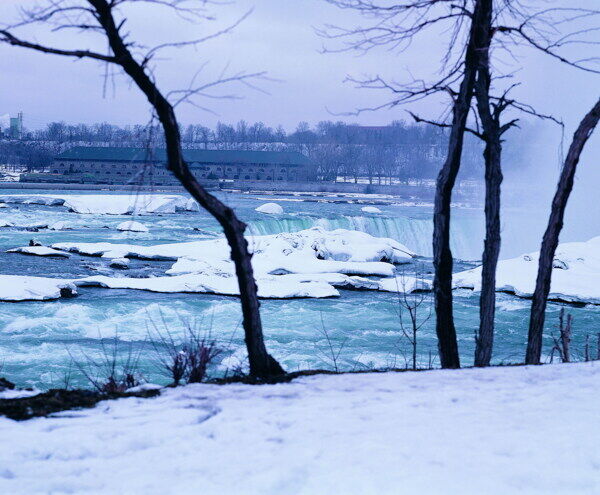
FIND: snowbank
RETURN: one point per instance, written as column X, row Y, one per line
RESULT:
column 110, row 204
column 575, row 276
column 132, row 226
column 23, row 288
column 271, row 208
column 370, row 209
column 494, row 431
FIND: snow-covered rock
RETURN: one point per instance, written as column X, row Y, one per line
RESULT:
column 131, row 226
column 352, row 434
column 23, row 288
column 270, row 208
column 119, row 263
column 575, row 274
column 40, row 251
column 3, row 205
column 370, row 209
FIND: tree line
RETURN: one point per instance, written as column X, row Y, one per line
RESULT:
column 399, row 152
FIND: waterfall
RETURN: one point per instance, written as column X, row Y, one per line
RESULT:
column 414, row 233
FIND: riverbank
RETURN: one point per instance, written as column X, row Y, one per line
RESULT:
column 500, row 430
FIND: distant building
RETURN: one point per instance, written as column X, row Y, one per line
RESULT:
column 16, row 126
column 113, row 165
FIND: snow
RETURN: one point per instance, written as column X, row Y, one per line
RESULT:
column 370, row 209
column 506, row 430
column 3, row 205
column 270, row 208
column 575, row 276
column 18, row 394
column 40, row 251
column 109, row 204
column 132, row 226
column 24, row 288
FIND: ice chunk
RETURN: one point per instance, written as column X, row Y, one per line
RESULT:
column 271, row 208
column 23, row 288
column 132, row 226
column 40, row 251
column 370, row 209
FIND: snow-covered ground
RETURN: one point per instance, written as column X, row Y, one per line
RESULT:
column 517, row 430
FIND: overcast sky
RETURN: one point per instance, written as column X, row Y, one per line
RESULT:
column 278, row 38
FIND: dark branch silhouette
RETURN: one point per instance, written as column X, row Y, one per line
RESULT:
column 550, row 241
column 100, row 15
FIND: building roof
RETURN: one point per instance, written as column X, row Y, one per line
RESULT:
column 115, row 154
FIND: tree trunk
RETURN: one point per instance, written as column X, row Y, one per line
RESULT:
column 442, row 255
column 550, row 240
column 262, row 365
column 484, row 340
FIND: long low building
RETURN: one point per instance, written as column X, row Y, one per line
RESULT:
column 113, row 165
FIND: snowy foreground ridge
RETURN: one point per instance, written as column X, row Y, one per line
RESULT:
column 514, row 430
column 311, row 263
column 575, row 274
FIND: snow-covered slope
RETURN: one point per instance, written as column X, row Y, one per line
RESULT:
column 517, row 430
column 575, row 275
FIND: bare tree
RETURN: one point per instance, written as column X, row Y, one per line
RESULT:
column 105, row 17
column 466, row 64
column 550, row 241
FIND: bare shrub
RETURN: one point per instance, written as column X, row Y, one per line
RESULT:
column 414, row 311
column 187, row 358
column 563, row 341
column 115, row 371
column 329, row 351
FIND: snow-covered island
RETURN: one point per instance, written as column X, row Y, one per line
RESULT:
column 575, row 274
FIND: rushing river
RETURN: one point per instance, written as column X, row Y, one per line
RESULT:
column 43, row 342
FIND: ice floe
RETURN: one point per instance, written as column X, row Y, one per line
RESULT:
column 109, row 204
column 131, row 226
column 271, row 208
column 370, row 209
column 40, row 251
column 23, row 288
column 273, row 287
column 575, row 274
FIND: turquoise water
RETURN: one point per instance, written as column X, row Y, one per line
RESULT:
column 41, row 342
